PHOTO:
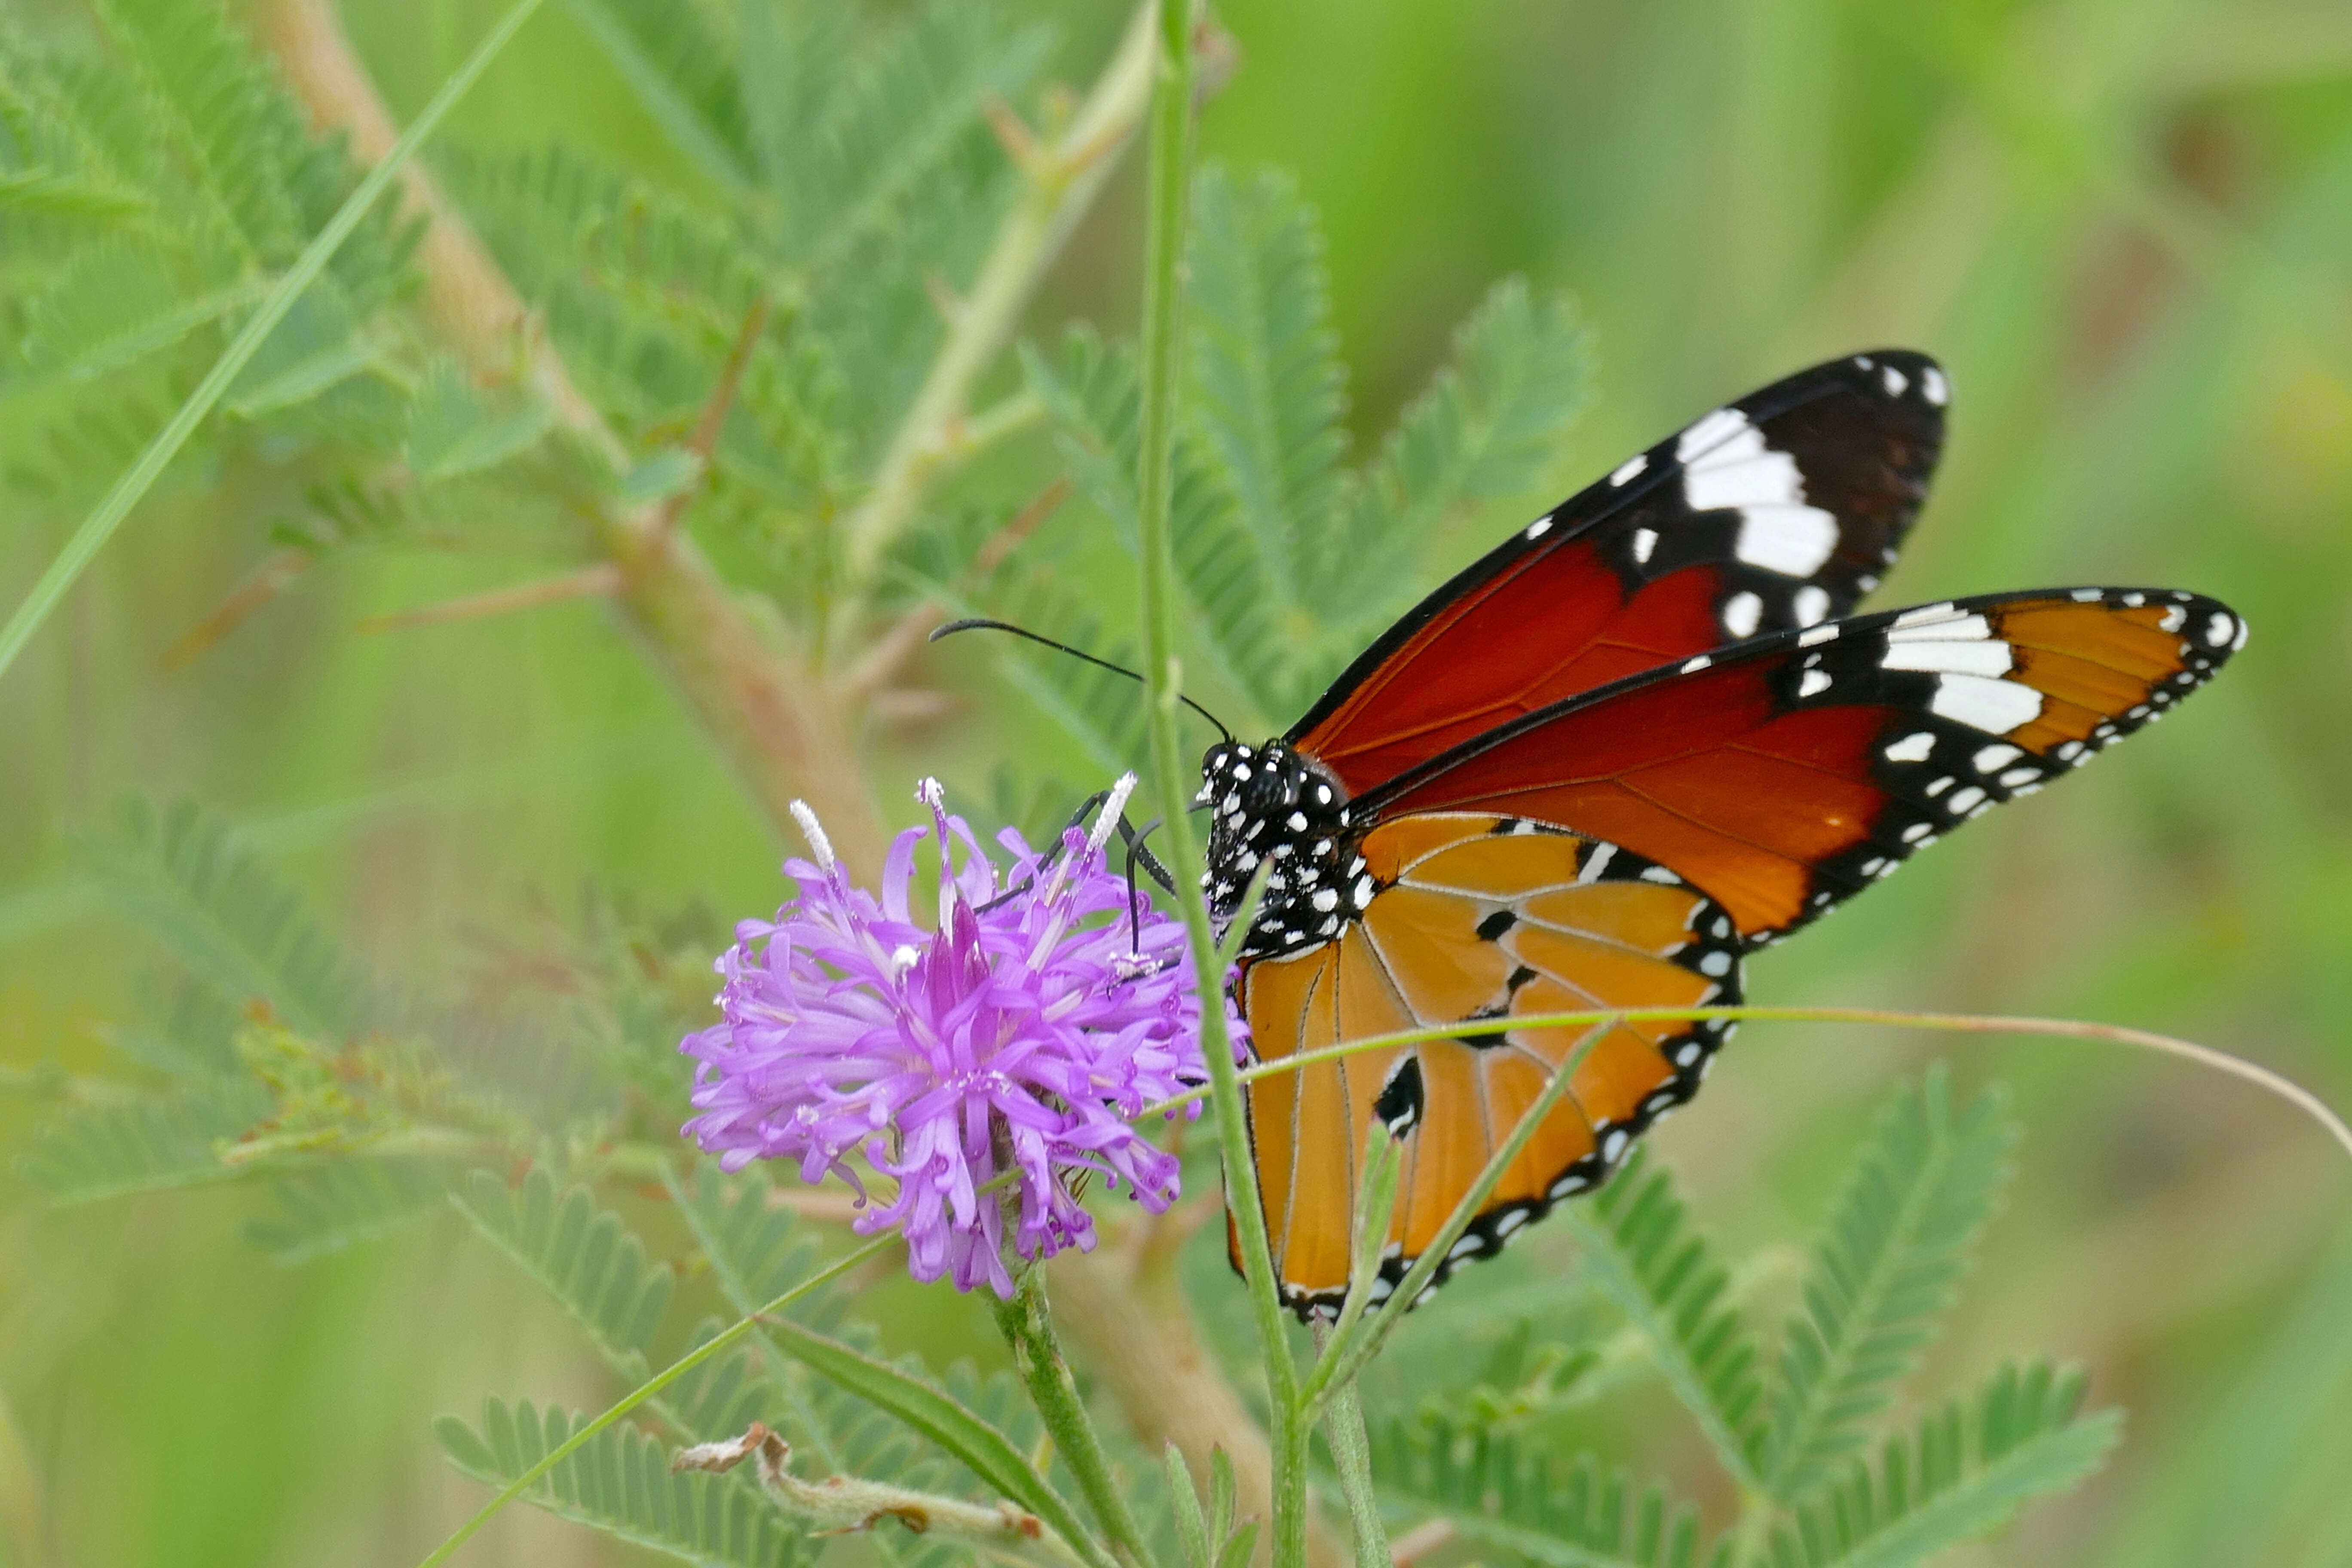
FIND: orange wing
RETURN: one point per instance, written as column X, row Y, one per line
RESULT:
column 1786, row 774
column 1479, row 917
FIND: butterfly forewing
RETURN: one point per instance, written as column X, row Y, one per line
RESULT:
column 1777, row 512
column 1480, row 918
column 1786, row 774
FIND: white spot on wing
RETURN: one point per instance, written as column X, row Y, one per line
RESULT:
column 1645, row 540
column 1996, row 756
column 1965, row 801
column 1951, row 658
column 1932, row 382
column 1818, row 635
column 1630, row 470
column 2219, row 629
column 1895, row 381
column 1912, row 748
column 1812, row 684
column 1709, row 433
column 1741, row 613
column 1812, row 606
column 1538, row 528
column 1790, row 539
column 1996, row 707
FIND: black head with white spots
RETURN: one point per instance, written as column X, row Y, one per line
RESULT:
column 1270, row 806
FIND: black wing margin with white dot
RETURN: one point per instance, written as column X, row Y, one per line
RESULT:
column 1777, row 512
column 1787, row 773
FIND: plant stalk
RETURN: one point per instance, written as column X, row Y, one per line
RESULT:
column 778, row 726
column 1062, row 184
column 1163, row 353
column 1351, row 1453
column 1027, row 1325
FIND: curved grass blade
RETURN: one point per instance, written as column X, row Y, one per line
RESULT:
column 99, row 527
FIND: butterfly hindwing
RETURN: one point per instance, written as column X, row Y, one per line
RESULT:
column 1783, row 776
column 1479, row 918
column 1777, row 512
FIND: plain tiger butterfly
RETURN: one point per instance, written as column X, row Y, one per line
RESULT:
column 1637, row 740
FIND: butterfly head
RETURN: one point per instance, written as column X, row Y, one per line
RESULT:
column 1270, row 806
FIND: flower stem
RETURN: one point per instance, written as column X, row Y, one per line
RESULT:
column 1028, row 1328
column 1351, row 1451
column 1162, row 350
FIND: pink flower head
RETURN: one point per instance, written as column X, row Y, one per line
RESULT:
column 1023, row 1032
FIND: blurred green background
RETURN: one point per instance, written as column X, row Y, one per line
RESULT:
column 2126, row 227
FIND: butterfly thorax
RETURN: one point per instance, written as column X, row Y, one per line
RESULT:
column 1270, row 806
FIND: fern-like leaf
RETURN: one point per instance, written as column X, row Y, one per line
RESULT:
column 341, row 1204
column 182, row 874
column 1966, row 1470
column 454, row 430
column 1094, row 402
column 1489, row 428
column 1518, row 1500
column 143, row 1145
column 583, row 1256
column 619, row 1484
column 1888, row 1267
column 1269, row 394
column 1666, row 1280
column 681, row 68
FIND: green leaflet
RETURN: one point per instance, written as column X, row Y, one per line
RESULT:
column 453, row 429
column 1665, row 1280
column 1520, row 1501
column 145, row 1145
column 340, row 1204
column 1269, row 394
column 677, row 64
column 620, row 1483
column 1889, row 1264
column 184, row 877
column 1969, row 1468
column 1489, row 428
column 582, row 1254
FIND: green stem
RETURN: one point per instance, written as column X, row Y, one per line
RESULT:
column 1351, row 1452
column 1062, row 185
column 1338, row 1368
column 100, row 525
column 2285, row 1089
column 1162, row 352
column 1028, row 1328
column 645, row 1391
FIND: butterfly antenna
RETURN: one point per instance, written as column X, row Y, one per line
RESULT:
column 981, row 623
column 1136, row 852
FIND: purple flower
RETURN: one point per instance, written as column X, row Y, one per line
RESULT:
column 1023, row 1032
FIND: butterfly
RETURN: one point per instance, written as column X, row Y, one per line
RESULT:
column 1639, row 740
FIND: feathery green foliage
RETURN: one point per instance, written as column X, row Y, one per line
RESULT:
column 181, row 875
column 620, row 1484
column 344, row 1203
column 1888, row 1268
column 143, row 1145
column 1665, row 1280
column 1517, row 1500
column 582, row 1254
column 1292, row 561
column 1969, row 1468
